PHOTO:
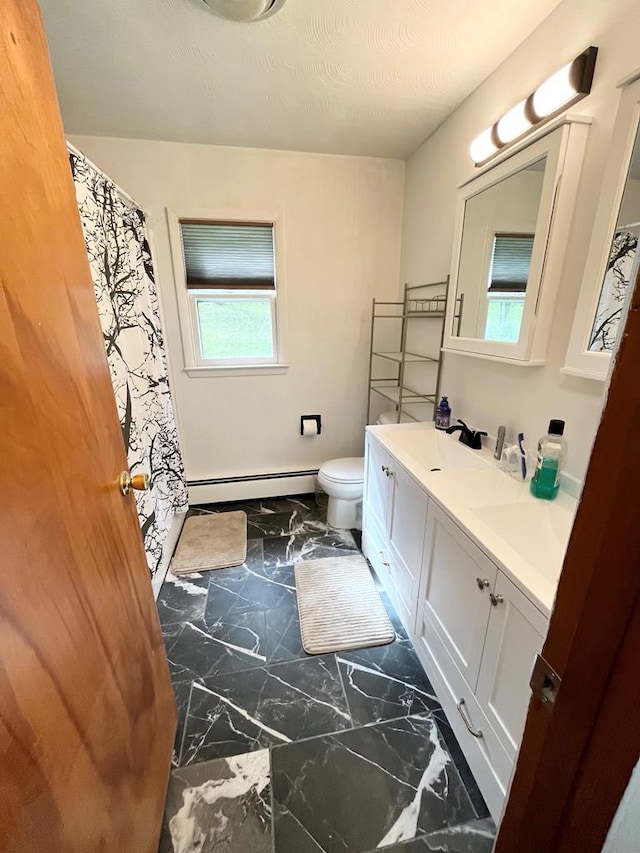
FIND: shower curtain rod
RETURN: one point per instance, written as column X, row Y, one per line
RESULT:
column 124, row 195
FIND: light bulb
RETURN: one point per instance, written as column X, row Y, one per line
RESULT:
column 554, row 93
column 482, row 146
column 514, row 123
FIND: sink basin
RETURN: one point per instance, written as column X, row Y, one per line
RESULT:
column 433, row 449
column 538, row 531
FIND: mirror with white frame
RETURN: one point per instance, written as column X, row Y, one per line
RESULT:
column 613, row 259
column 498, row 236
column 509, row 243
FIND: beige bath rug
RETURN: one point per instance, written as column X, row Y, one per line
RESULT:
column 216, row 540
column 340, row 606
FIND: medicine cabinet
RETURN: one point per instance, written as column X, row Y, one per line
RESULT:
column 613, row 257
column 511, row 229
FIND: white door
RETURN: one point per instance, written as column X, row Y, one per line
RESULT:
column 408, row 520
column 515, row 636
column 375, row 522
column 377, row 476
column 457, row 579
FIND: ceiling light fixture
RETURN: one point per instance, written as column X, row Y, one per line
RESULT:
column 563, row 89
column 245, row 11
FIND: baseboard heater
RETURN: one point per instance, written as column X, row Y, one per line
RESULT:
column 249, row 478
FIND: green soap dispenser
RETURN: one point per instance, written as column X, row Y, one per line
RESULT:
column 552, row 449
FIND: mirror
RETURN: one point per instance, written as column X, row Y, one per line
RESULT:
column 498, row 236
column 611, row 264
column 512, row 223
column 622, row 262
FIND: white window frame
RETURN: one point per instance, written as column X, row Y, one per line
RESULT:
column 502, row 296
column 215, row 295
column 194, row 364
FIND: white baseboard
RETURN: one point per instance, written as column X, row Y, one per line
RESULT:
column 251, row 489
column 167, row 552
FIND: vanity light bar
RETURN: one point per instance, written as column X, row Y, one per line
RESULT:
column 563, row 89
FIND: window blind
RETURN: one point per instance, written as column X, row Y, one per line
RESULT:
column 510, row 263
column 228, row 255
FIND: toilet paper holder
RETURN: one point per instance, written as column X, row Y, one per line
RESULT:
column 316, row 418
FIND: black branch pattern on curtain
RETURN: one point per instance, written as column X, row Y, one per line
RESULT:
column 614, row 291
column 124, row 283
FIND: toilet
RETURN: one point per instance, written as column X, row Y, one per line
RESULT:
column 343, row 481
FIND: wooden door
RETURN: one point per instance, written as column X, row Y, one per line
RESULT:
column 515, row 636
column 86, row 712
column 457, row 578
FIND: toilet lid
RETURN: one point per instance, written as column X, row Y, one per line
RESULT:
column 347, row 470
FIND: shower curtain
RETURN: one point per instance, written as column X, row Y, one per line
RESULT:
column 618, row 274
column 123, row 279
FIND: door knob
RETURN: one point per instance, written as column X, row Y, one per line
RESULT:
column 495, row 599
column 482, row 582
column 139, row 482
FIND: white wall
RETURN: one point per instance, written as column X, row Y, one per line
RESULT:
column 488, row 393
column 630, row 207
column 624, row 831
column 342, row 220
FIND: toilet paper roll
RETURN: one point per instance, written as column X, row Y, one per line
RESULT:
column 309, row 427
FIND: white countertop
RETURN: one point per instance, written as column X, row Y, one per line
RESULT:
column 526, row 537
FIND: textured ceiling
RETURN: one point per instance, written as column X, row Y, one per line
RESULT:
column 339, row 76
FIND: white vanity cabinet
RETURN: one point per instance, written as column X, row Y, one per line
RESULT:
column 477, row 635
column 515, row 635
column 475, row 631
column 395, row 510
column 375, row 528
column 407, row 518
column 454, row 601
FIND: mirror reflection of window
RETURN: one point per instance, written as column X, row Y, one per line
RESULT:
column 498, row 235
column 508, row 276
column 622, row 264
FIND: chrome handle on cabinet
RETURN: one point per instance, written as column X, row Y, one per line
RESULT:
column 386, row 470
column 383, row 562
column 475, row 732
column 495, row 599
column 483, row 583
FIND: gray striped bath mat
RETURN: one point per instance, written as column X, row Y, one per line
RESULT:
column 340, row 606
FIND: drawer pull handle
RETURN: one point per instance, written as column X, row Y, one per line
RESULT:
column 483, row 583
column 387, row 471
column 383, row 562
column 495, row 599
column 475, row 732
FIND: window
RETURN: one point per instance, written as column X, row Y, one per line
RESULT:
column 231, row 288
column 508, row 277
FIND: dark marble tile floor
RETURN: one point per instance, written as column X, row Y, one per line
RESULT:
column 278, row 751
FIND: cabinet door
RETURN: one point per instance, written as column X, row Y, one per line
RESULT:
column 454, row 597
column 377, row 479
column 515, row 636
column 406, row 535
column 375, row 525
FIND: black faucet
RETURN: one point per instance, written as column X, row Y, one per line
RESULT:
column 471, row 437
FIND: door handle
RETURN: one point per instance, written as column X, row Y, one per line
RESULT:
column 387, row 471
column 495, row 599
column 139, row 482
column 475, row 732
column 483, row 582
